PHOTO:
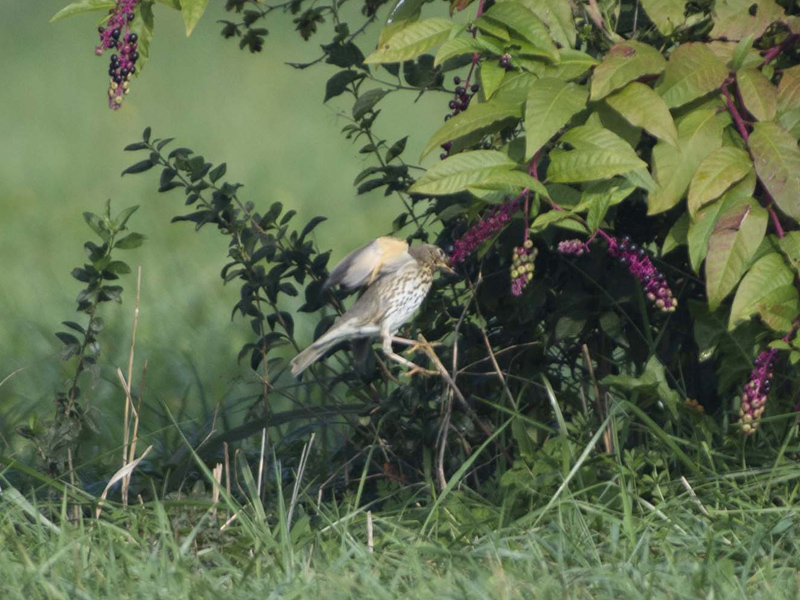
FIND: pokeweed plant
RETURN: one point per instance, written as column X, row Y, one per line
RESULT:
column 660, row 134
column 57, row 440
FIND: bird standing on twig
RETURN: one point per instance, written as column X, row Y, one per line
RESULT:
column 398, row 278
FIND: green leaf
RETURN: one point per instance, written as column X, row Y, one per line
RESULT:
column 509, row 182
column 599, row 196
column 598, row 154
column 777, row 161
column 338, row 83
column 367, row 101
column 642, row 107
column 401, row 15
column 130, row 241
column 513, row 89
column 768, row 290
column 122, row 218
column 703, row 223
column 789, row 90
column 555, row 217
column 551, row 104
column 718, row 171
column 412, row 41
column 143, row 26
column 455, row 173
column 759, row 95
column 459, row 46
column 491, row 76
column 557, row 15
column 139, row 167
column 84, row 6
column 736, row 19
column 742, row 52
column 519, row 19
column 623, row 63
column 666, row 15
column 790, row 246
column 192, row 10
column 677, row 234
column 396, row 150
column 174, row 4
column 699, row 134
column 693, row 71
column 572, row 64
column 476, row 117
column 734, row 240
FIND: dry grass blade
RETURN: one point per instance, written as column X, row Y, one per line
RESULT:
column 299, row 480
column 123, row 472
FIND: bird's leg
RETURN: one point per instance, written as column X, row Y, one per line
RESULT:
column 387, row 350
column 414, row 345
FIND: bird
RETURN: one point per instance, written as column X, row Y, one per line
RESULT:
column 397, row 277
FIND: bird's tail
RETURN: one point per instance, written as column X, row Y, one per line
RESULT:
column 317, row 350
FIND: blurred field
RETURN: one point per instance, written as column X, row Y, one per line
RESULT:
column 61, row 154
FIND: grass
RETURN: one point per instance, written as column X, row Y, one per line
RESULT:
column 726, row 533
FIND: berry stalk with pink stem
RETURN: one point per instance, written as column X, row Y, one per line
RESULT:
column 117, row 35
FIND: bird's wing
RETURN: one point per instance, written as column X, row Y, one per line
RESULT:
column 370, row 262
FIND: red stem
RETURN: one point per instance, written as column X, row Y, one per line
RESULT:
column 775, row 51
column 737, row 118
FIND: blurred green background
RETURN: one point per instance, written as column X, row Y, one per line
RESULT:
column 61, row 154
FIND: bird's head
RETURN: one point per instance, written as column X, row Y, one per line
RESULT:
column 432, row 256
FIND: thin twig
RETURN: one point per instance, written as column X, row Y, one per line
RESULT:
column 601, row 401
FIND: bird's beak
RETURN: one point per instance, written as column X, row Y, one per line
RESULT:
column 446, row 268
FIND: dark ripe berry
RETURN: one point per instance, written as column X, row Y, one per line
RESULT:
column 112, row 44
column 464, row 98
column 463, row 106
column 115, row 33
column 447, row 146
column 132, row 69
column 114, row 58
column 459, row 91
column 623, row 261
column 132, row 38
column 135, row 56
column 131, row 17
column 100, row 30
column 117, row 79
column 112, row 71
column 443, row 155
column 456, row 79
column 633, row 248
column 642, row 252
column 452, row 104
column 626, row 239
column 475, row 87
column 646, row 279
column 447, row 117
column 124, row 72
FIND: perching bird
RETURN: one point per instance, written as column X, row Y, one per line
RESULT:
column 398, row 278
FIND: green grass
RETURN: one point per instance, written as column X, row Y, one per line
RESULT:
column 730, row 532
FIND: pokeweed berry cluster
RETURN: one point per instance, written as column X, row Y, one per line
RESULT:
column 117, row 35
column 461, row 97
column 495, row 221
column 522, row 267
column 754, row 395
column 635, row 259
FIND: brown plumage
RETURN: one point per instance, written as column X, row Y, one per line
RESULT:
column 398, row 279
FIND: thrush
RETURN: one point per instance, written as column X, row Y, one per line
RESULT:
column 397, row 277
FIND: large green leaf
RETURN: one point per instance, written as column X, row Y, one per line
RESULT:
column 466, row 44
column 81, row 7
column 144, row 26
column 456, row 173
column 718, row 171
column 557, row 15
column 777, row 161
column 571, row 64
column 789, row 90
column 551, row 104
column 598, row 154
column 759, row 95
column 491, row 75
column 693, row 71
column 623, row 63
column 192, row 11
column 476, row 117
column 666, row 15
column 526, row 24
column 699, row 134
column 736, row 55
column 735, row 19
column 401, row 15
column 735, row 238
column 412, row 41
column 704, row 221
column 768, row 290
column 790, row 246
column 642, row 107
column 599, row 196
column 510, row 182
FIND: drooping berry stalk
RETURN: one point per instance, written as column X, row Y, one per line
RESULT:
column 490, row 224
column 636, row 260
column 522, row 267
column 117, row 35
column 754, row 395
